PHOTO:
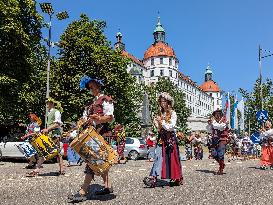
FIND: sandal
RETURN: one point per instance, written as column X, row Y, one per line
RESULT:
column 61, row 173
column 32, row 174
column 30, row 167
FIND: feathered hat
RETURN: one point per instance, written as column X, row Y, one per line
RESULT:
column 86, row 79
column 166, row 96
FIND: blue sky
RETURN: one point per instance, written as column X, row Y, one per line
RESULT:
column 224, row 33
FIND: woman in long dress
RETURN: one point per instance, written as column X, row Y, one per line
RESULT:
column 167, row 160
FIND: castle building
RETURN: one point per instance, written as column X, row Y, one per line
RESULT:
column 160, row 61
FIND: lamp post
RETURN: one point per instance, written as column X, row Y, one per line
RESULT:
column 269, row 53
column 48, row 9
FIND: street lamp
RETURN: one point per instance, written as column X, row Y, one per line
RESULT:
column 48, row 9
column 269, row 53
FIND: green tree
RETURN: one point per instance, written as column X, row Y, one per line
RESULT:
column 84, row 49
column 165, row 85
column 20, row 34
column 253, row 102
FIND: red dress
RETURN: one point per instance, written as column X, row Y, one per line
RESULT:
column 171, row 166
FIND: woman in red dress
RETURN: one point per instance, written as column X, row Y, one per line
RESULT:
column 167, row 163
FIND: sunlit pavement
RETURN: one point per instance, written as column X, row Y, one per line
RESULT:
column 243, row 183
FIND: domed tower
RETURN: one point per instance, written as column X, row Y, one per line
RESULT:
column 211, row 88
column 119, row 45
column 160, row 59
column 135, row 67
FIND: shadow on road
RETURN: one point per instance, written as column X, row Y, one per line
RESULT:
column 49, row 174
column 254, row 168
column 91, row 195
column 159, row 183
column 205, row 171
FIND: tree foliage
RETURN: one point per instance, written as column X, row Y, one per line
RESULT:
column 20, row 34
column 253, row 102
column 165, row 85
column 84, row 50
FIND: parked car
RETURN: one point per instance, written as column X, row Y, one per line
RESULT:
column 134, row 148
column 9, row 149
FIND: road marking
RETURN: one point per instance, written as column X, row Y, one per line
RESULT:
column 10, row 179
column 239, row 162
column 142, row 169
column 196, row 165
column 128, row 170
column 24, row 178
column 67, row 175
column 184, row 166
column 117, row 171
column 212, row 164
column 228, row 163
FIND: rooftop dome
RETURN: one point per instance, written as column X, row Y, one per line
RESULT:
column 210, row 86
column 159, row 49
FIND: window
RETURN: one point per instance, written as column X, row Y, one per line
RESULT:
column 170, row 61
column 152, row 73
column 170, row 73
column 129, row 141
column 152, row 61
column 161, row 60
column 161, row 72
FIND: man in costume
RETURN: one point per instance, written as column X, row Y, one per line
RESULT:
column 98, row 114
column 119, row 135
column 218, row 127
column 54, row 131
column 267, row 146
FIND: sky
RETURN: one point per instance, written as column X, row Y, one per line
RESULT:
column 223, row 33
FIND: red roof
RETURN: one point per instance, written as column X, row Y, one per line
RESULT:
column 159, row 49
column 187, row 79
column 210, row 86
column 133, row 58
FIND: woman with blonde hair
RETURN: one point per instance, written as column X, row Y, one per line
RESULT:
column 167, row 163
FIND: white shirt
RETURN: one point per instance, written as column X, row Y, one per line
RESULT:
column 217, row 126
column 170, row 126
column 107, row 108
column 58, row 116
column 267, row 134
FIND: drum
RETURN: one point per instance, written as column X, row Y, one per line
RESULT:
column 96, row 152
column 44, row 146
column 27, row 149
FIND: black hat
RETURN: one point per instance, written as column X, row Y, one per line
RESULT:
column 218, row 111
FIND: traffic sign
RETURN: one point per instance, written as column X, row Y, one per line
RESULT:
column 255, row 138
column 262, row 116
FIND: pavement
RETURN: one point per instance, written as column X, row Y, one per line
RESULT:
column 243, row 183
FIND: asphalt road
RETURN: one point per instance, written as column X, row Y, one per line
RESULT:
column 243, row 183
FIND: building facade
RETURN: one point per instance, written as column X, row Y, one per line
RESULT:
column 160, row 61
